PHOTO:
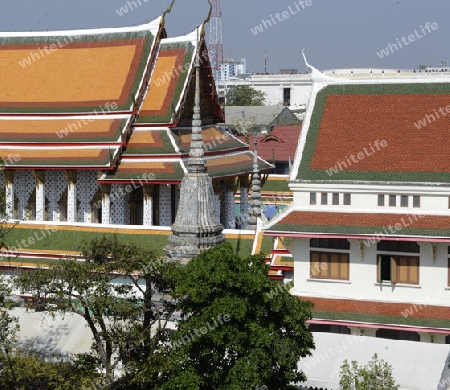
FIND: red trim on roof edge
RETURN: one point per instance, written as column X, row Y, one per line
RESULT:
column 357, row 237
column 379, row 326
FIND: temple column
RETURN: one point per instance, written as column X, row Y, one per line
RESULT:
column 148, row 204
column 218, row 191
column 244, row 215
column 165, row 205
column 72, row 196
column 228, row 215
column 9, row 182
column 39, row 177
column 106, row 203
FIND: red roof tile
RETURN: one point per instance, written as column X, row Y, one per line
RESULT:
column 281, row 143
column 374, row 224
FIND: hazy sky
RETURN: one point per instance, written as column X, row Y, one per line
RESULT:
column 336, row 33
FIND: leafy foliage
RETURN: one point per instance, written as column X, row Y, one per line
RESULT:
column 377, row 374
column 244, row 95
column 28, row 371
column 126, row 321
column 237, row 330
column 9, row 325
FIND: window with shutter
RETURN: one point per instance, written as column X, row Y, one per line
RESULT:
column 328, row 265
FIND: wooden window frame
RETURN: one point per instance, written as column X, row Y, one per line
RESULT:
column 330, row 243
column 399, row 268
column 448, row 272
column 334, row 261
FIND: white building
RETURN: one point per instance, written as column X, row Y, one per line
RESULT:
column 231, row 68
column 294, row 90
column 369, row 227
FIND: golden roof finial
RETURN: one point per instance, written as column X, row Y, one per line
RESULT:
column 208, row 18
column 163, row 21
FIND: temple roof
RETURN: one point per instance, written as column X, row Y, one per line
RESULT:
column 74, row 71
column 117, row 100
column 92, row 157
column 280, row 145
column 377, row 131
column 61, row 130
column 371, row 226
column 169, row 79
column 161, row 152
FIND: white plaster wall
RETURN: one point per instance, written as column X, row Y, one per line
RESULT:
column 274, row 93
column 434, row 200
column 272, row 85
column 432, row 288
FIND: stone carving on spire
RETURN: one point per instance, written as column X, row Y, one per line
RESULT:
column 255, row 202
column 197, row 225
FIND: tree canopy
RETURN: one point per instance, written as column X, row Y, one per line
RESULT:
column 377, row 374
column 244, row 95
column 126, row 321
column 238, row 331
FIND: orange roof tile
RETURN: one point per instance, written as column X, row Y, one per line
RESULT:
column 57, row 130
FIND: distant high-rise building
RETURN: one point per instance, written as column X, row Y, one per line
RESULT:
column 231, row 68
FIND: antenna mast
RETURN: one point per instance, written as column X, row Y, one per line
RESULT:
column 215, row 47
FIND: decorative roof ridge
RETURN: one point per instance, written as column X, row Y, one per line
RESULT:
column 152, row 26
column 55, row 117
column 280, row 215
column 151, row 158
column 64, row 115
column 59, row 145
column 271, row 137
column 142, row 129
column 191, row 37
column 381, row 81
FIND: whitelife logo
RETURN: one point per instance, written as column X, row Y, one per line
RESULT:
column 354, row 158
column 407, row 40
column 265, row 24
column 41, row 53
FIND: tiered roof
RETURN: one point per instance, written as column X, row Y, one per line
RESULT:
column 67, row 98
column 116, row 100
column 372, row 133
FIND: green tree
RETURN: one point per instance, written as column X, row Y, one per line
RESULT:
column 238, row 329
column 244, row 95
column 26, row 370
column 377, row 374
column 127, row 322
